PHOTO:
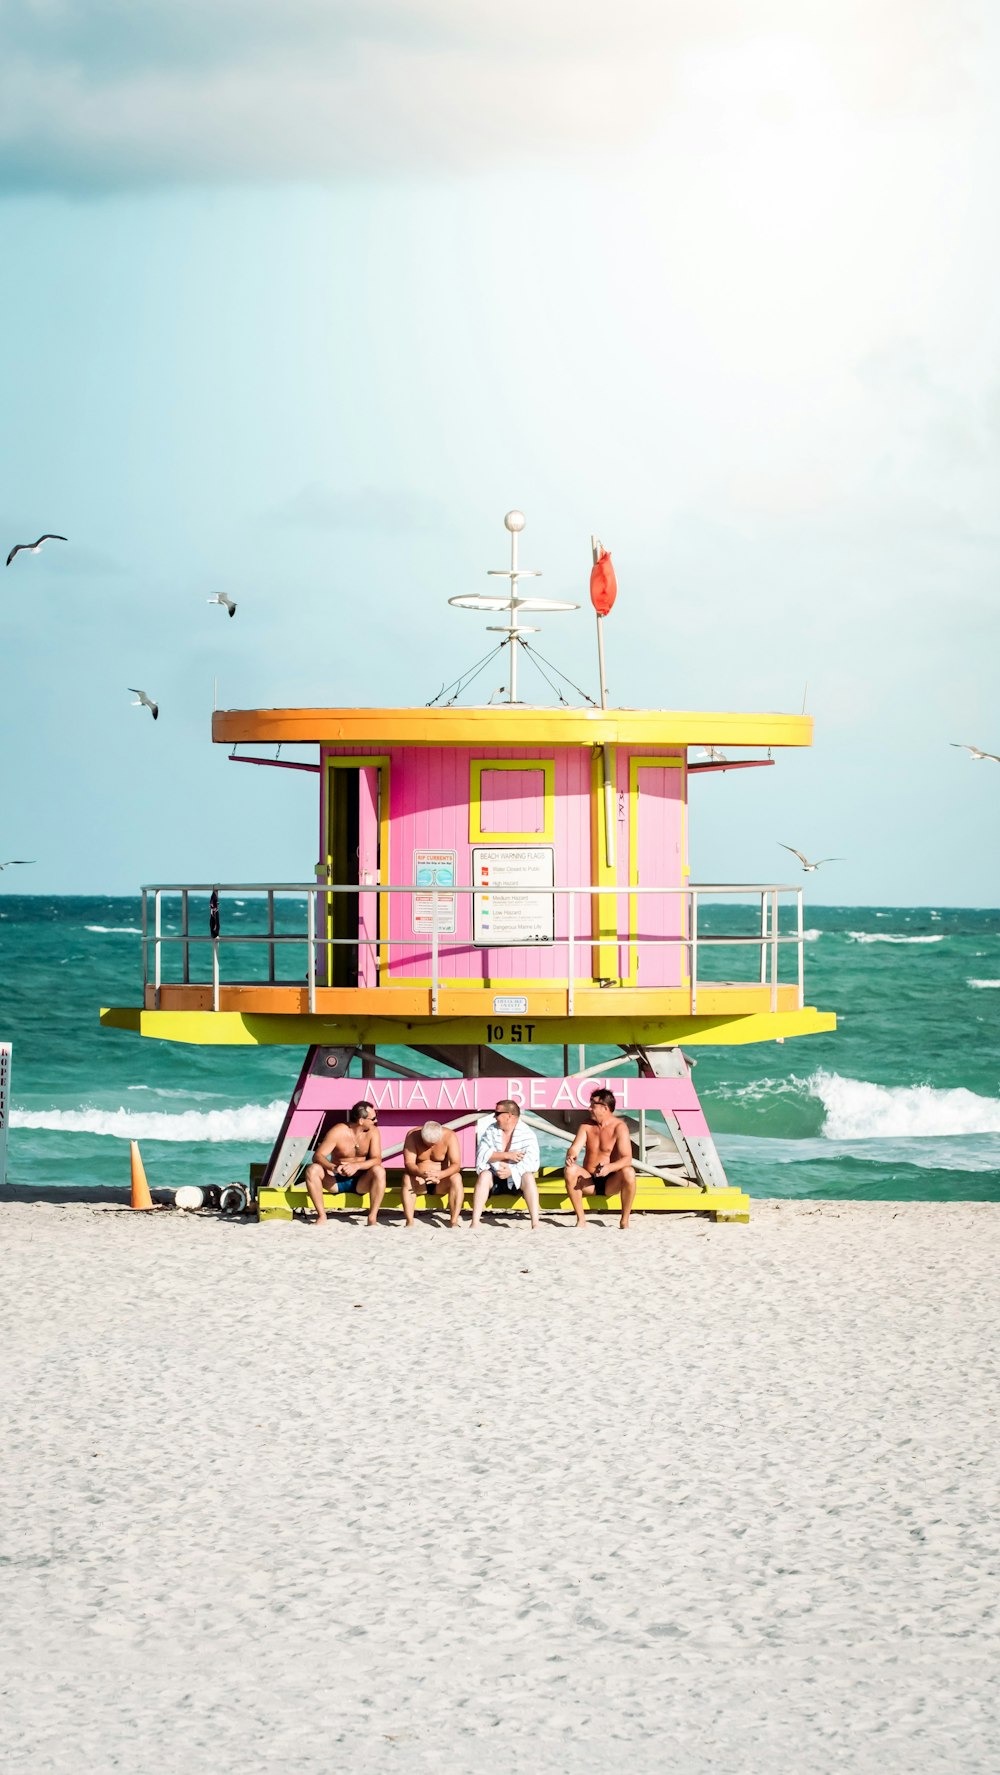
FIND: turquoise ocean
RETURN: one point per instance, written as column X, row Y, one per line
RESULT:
column 902, row 1103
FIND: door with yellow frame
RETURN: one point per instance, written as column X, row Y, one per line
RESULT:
column 357, row 802
column 657, row 918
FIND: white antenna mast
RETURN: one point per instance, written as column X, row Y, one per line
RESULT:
column 515, row 522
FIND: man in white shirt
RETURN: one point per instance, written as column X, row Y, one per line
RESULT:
column 507, row 1158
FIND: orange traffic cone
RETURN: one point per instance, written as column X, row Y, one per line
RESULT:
column 141, row 1197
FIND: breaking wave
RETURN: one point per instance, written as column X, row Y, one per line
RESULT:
column 889, row 937
column 983, row 983
column 247, row 1121
column 115, row 930
column 836, row 1108
column 857, row 1110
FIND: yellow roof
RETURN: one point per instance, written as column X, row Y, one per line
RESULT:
column 510, row 726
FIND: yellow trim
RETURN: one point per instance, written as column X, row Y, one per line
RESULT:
column 506, row 726
column 360, row 762
column 635, row 765
column 605, row 913
column 478, row 834
column 723, row 1028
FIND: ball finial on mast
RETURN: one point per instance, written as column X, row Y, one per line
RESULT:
column 515, row 520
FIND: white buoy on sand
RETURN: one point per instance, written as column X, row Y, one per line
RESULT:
column 189, row 1196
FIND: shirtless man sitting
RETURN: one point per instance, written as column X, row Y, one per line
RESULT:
column 606, row 1147
column 349, row 1157
column 432, row 1163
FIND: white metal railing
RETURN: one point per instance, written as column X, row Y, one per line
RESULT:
column 768, row 940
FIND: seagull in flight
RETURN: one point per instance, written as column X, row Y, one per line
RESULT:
column 11, row 861
column 145, row 702
column 807, row 866
column 714, row 754
column 977, row 755
column 32, row 548
column 220, row 598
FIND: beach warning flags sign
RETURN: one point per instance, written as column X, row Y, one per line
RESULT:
column 603, row 584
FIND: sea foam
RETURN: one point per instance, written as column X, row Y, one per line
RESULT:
column 115, row 930
column 983, row 983
column 858, row 1110
column 246, row 1121
column 889, row 937
column 828, row 1107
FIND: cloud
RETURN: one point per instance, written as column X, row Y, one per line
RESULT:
column 105, row 94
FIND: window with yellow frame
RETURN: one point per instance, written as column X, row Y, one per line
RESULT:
column 478, row 830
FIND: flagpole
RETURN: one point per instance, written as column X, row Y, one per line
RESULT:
column 595, row 549
column 607, row 753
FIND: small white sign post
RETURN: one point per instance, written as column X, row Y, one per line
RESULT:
column 5, row 1052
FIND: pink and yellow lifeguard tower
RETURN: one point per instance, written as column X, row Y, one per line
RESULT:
column 501, row 907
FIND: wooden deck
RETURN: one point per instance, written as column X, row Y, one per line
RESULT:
column 410, row 1000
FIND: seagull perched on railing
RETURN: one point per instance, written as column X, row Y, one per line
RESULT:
column 977, row 755
column 11, row 861
column 220, row 598
column 32, row 548
column 145, row 702
column 807, row 866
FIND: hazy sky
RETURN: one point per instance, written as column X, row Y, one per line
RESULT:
column 297, row 300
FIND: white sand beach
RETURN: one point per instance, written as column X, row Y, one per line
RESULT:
column 691, row 1498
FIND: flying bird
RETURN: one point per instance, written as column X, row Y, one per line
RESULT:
column 32, row 548
column 807, row 866
column 714, row 754
column 977, row 755
column 11, row 861
column 220, row 598
column 145, row 702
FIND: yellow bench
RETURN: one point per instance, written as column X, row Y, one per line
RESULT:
column 651, row 1196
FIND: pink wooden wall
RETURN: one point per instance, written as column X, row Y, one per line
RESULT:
column 429, row 810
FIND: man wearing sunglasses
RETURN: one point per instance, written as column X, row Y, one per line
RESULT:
column 507, row 1160
column 349, row 1158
